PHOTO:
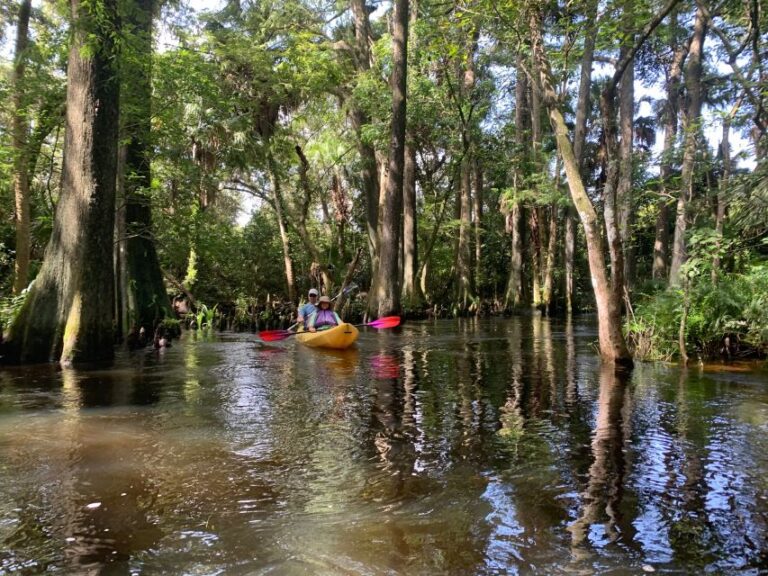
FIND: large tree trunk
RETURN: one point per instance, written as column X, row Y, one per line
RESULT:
column 121, row 252
column 613, row 348
column 513, row 210
column 411, row 293
column 613, row 202
column 671, row 112
column 550, row 260
column 369, row 168
column 722, row 201
column 465, row 292
column 624, row 186
column 585, row 83
column 69, row 311
column 579, row 139
column 610, row 196
column 340, row 212
column 20, row 130
column 148, row 302
column 535, row 214
column 477, row 221
column 277, row 198
column 534, row 253
column 693, row 86
column 300, row 224
column 570, row 247
column 386, row 291
column 464, row 289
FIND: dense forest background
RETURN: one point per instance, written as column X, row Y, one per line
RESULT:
column 446, row 159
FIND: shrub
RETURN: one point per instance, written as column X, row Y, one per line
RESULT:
column 726, row 319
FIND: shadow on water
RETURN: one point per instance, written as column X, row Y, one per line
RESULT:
column 450, row 447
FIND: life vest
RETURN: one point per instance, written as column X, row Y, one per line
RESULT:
column 325, row 318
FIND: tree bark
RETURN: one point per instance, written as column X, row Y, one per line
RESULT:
column 535, row 220
column 369, row 168
column 671, row 112
column 69, row 312
column 411, row 294
column 477, row 217
column 20, row 132
column 277, row 198
column 607, row 106
column 693, row 116
column 148, row 301
column 570, row 246
column 624, row 186
column 613, row 347
column 513, row 210
column 121, row 252
column 410, row 237
column 722, row 201
column 465, row 290
column 579, row 139
column 386, row 289
column 300, row 223
column 585, row 83
column 536, row 254
column 550, row 260
column 610, row 196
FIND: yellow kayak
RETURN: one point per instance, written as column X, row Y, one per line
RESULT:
column 338, row 337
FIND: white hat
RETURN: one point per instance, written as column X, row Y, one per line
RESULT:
column 312, row 292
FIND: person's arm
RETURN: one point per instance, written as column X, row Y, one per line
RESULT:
column 311, row 323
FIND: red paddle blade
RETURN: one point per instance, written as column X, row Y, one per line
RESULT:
column 273, row 335
column 386, row 322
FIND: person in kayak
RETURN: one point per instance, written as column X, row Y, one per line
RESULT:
column 324, row 317
column 307, row 309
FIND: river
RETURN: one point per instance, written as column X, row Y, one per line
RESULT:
column 452, row 447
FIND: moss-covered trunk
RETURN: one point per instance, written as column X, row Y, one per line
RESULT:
column 68, row 314
column 613, row 347
column 385, row 295
column 148, row 301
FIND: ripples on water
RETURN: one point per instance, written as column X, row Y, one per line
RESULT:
column 490, row 447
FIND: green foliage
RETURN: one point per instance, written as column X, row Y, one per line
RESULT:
column 726, row 319
column 239, row 88
column 9, row 308
column 203, row 318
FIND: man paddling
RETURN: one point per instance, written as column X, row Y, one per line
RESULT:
column 307, row 309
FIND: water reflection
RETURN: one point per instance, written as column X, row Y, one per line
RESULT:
column 89, row 466
column 599, row 513
column 462, row 447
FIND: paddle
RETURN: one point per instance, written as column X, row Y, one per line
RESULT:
column 380, row 324
column 385, row 322
column 274, row 335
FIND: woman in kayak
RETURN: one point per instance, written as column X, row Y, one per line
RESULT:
column 324, row 317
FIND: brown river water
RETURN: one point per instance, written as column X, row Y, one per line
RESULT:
column 451, row 447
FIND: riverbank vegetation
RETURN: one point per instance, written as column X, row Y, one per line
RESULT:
column 472, row 158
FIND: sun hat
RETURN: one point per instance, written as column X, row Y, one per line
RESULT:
column 324, row 299
column 312, row 292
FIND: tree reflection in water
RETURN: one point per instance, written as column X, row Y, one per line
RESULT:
column 465, row 447
column 598, row 519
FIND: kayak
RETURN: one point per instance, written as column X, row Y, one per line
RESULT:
column 338, row 337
